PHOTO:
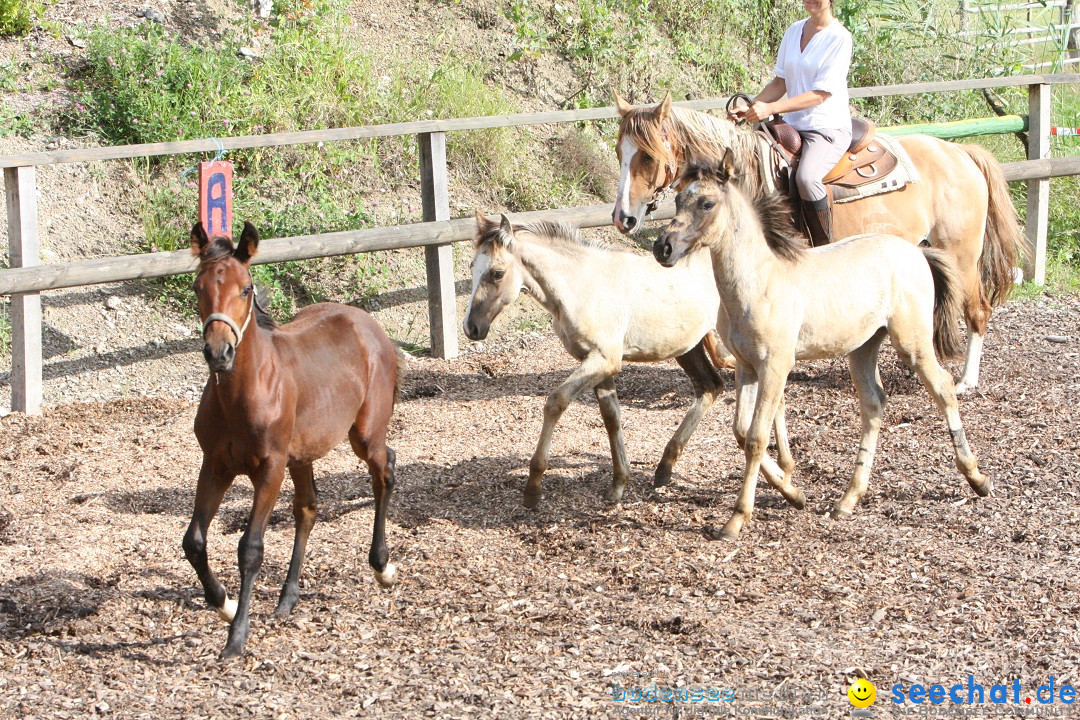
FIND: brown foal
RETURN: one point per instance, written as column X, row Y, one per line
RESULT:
column 277, row 398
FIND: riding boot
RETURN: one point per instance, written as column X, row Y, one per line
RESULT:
column 818, row 217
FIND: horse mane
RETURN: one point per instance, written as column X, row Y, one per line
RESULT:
column 700, row 136
column 263, row 318
column 559, row 231
column 781, row 235
column 217, row 250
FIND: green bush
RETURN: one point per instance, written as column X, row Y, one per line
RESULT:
column 17, row 16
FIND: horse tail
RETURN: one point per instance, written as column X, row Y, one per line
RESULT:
column 1003, row 240
column 948, row 303
column 402, row 358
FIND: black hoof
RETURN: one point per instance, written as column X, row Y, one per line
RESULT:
column 230, row 652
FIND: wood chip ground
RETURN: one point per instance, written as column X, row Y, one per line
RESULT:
column 507, row 613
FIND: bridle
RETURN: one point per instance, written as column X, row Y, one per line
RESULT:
column 670, row 175
column 238, row 330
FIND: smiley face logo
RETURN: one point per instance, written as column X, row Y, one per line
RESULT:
column 862, row 693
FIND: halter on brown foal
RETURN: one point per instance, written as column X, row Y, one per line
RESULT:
column 277, row 398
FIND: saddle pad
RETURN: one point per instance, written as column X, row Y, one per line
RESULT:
column 904, row 173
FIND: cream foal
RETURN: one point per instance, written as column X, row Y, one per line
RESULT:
column 785, row 303
column 607, row 307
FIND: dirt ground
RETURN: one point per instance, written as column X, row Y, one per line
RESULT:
column 509, row 613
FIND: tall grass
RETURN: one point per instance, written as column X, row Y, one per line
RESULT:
column 642, row 48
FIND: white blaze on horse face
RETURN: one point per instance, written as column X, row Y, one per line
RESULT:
column 480, row 265
column 622, row 199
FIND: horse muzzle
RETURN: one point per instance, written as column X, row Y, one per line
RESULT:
column 221, row 357
column 663, row 251
column 626, row 224
column 475, row 331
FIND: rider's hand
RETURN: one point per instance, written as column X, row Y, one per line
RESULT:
column 758, row 112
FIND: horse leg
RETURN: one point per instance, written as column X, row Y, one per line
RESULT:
column 939, row 384
column 381, row 461
column 304, row 497
column 863, row 367
column 707, row 386
column 780, row 476
column 267, row 481
column 770, row 389
column 609, row 410
column 972, row 360
column 592, row 371
column 977, row 311
column 213, row 482
column 746, row 395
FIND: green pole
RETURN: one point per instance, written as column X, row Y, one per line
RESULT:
column 962, row 128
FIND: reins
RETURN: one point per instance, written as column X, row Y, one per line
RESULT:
column 222, row 317
column 763, row 132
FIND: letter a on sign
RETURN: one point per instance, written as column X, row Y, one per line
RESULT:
column 215, row 198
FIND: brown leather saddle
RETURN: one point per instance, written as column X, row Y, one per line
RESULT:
column 864, row 162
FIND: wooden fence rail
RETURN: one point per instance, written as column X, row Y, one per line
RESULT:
column 27, row 277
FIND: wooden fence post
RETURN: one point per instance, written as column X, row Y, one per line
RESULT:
column 19, row 188
column 1038, row 191
column 435, row 194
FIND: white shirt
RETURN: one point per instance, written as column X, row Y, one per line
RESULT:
column 823, row 65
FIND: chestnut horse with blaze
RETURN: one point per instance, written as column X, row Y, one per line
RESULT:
column 277, row 398
column 960, row 205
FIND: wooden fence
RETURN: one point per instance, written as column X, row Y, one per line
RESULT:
column 27, row 277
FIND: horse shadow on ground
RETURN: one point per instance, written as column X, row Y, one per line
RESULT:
column 482, row 492
column 639, row 385
column 32, row 604
column 339, row 495
column 487, row 493
column 42, row 605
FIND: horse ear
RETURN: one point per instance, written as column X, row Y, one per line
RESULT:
column 248, row 245
column 726, row 168
column 506, row 231
column 199, row 241
column 483, row 224
column 622, row 106
column 663, row 110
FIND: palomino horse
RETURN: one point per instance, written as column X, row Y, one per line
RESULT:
column 277, row 398
column 786, row 303
column 961, row 203
column 606, row 308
